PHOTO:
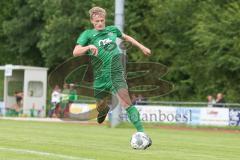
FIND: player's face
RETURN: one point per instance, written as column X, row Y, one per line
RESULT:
column 98, row 22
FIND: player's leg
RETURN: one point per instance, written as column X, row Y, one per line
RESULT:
column 102, row 108
column 101, row 95
column 133, row 114
column 120, row 89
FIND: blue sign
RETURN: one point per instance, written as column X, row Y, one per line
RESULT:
column 188, row 115
column 234, row 117
column 2, row 109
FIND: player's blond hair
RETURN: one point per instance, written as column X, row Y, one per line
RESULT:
column 97, row 11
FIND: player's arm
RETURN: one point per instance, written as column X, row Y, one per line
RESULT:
column 144, row 49
column 82, row 45
column 81, row 50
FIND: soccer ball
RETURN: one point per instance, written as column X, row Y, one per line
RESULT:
column 140, row 141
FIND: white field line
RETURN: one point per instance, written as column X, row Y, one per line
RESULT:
column 44, row 120
column 65, row 157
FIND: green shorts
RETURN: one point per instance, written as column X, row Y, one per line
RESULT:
column 109, row 84
column 110, row 78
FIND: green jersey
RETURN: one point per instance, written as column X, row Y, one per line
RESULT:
column 107, row 65
column 64, row 95
column 105, row 41
column 72, row 95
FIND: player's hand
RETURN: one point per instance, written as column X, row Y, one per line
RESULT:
column 93, row 49
column 146, row 51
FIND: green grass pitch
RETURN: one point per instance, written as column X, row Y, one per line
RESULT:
column 24, row 140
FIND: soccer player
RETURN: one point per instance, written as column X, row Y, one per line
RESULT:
column 109, row 76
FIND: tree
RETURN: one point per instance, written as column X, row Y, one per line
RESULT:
column 197, row 40
column 65, row 20
column 216, row 37
column 6, row 12
column 22, row 32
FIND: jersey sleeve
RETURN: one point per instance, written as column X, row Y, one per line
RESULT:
column 118, row 32
column 83, row 38
column 115, row 30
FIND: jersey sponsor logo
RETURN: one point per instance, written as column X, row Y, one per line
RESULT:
column 110, row 34
column 104, row 42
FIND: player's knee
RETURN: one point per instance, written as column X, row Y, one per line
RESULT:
column 125, row 104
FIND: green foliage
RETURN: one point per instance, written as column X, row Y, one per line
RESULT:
column 1, row 85
column 198, row 40
column 64, row 21
column 215, row 36
column 22, row 32
column 6, row 10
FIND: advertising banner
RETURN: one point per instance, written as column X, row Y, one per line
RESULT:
column 77, row 108
column 189, row 115
column 234, row 117
column 157, row 113
column 214, row 116
column 185, row 115
column 2, row 109
column 81, row 111
column 168, row 114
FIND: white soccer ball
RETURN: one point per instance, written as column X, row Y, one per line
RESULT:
column 140, row 141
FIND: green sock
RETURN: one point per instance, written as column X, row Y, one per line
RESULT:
column 134, row 117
